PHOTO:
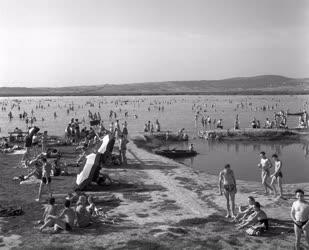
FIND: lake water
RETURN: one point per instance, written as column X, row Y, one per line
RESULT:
column 179, row 112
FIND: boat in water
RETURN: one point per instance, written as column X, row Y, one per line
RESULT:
column 176, row 153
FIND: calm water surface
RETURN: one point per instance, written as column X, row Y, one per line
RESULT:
column 179, row 112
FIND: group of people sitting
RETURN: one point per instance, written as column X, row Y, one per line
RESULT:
column 6, row 147
column 252, row 217
column 81, row 216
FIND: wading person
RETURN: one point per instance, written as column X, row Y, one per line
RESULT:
column 265, row 166
column 277, row 175
column 300, row 217
column 227, row 179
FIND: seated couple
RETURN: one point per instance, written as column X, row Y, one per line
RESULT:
column 80, row 217
column 253, row 218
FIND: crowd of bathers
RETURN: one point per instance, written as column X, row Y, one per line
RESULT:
column 82, row 215
column 252, row 217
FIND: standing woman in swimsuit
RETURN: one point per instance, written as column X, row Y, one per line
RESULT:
column 277, row 175
column 265, row 165
column 226, row 177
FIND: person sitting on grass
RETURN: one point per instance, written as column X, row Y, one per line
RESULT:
column 91, row 208
column 244, row 212
column 65, row 221
column 36, row 164
column 82, row 215
column 49, row 210
column 258, row 220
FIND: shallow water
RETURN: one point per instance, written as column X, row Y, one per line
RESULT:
column 244, row 157
column 178, row 113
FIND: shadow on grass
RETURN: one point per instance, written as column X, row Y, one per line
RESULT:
column 142, row 244
column 149, row 164
column 125, row 187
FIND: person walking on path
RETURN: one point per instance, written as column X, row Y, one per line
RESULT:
column 265, row 165
column 300, row 217
column 46, row 179
column 277, row 175
column 227, row 179
column 123, row 149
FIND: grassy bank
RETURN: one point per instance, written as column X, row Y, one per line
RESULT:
column 160, row 204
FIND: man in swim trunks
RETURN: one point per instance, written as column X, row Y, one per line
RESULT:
column 65, row 221
column 46, row 179
column 277, row 175
column 265, row 165
column 226, row 177
column 300, row 217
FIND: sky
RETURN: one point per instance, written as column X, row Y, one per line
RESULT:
column 54, row 43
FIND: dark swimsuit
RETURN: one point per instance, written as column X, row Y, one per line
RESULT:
column 279, row 174
column 265, row 222
column 230, row 187
column 301, row 223
column 68, row 227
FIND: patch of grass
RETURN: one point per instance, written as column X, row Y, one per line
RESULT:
column 142, row 215
column 142, row 245
column 134, row 196
column 192, row 222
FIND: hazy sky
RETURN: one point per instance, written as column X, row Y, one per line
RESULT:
column 86, row 42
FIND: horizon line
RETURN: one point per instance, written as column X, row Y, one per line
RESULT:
column 149, row 82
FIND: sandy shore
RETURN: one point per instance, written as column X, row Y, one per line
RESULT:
column 160, row 204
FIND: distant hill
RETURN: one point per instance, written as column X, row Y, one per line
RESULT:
column 264, row 84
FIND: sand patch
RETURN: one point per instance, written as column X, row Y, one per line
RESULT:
column 8, row 242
